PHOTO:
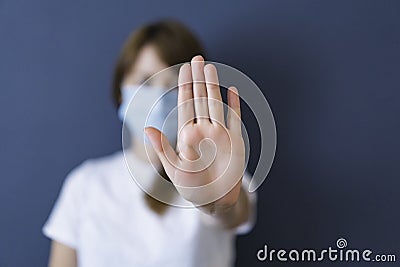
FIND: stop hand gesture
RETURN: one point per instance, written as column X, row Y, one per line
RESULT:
column 208, row 163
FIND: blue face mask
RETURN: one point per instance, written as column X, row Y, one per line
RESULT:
column 149, row 106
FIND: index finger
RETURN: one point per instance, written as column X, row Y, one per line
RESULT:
column 185, row 96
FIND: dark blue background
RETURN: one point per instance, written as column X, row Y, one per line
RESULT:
column 330, row 70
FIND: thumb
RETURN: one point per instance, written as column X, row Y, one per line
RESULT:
column 161, row 145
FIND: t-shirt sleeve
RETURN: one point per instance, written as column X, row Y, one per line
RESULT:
column 62, row 224
column 247, row 226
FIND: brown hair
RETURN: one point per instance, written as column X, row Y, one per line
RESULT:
column 173, row 41
column 174, row 44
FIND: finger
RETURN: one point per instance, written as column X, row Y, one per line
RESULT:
column 233, row 118
column 215, row 106
column 199, row 89
column 164, row 150
column 185, row 96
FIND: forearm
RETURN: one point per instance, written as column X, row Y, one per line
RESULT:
column 62, row 256
column 232, row 216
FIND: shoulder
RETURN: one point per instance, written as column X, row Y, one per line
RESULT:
column 95, row 170
column 103, row 164
column 84, row 187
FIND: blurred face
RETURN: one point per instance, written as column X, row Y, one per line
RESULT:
column 147, row 64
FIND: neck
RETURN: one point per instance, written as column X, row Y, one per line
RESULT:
column 145, row 152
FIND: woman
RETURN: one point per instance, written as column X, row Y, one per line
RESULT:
column 102, row 218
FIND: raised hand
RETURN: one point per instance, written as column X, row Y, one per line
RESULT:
column 208, row 163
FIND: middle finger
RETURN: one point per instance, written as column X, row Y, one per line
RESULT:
column 199, row 90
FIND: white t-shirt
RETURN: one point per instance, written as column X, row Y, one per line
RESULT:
column 102, row 214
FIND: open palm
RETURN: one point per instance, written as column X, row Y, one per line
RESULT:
column 208, row 163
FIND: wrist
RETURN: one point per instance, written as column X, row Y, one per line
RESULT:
column 214, row 209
